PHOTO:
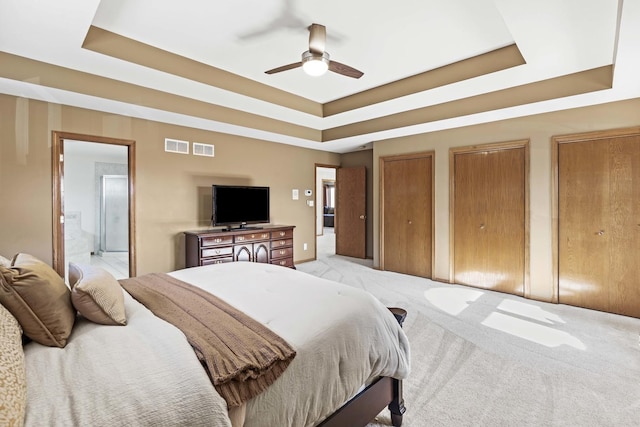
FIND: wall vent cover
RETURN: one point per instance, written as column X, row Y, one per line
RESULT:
column 176, row 146
column 203, row 149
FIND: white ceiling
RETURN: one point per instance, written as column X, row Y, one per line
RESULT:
column 386, row 40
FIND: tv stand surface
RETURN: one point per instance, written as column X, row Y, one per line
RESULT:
column 267, row 244
column 243, row 227
column 225, row 230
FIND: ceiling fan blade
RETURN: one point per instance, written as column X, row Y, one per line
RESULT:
column 345, row 70
column 317, row 38
column 287, row 19
column 258, row 33
column 284, row 68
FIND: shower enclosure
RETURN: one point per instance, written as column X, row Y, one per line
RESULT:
column 114, row 214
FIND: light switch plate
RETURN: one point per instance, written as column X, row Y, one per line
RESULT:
column 294, row 194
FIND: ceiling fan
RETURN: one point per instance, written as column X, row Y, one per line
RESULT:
column 316, row 60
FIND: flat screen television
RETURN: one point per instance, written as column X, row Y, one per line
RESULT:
column 235, row 205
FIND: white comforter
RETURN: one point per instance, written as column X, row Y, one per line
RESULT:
column 146, row 374
column 141, row 374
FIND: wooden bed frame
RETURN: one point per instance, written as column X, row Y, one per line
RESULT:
column 363, row 408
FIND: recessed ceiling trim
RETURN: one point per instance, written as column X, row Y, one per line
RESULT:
column 559, row 87
column 117, row 46
column 24, row 69
column 111, row 44
column 490, row 62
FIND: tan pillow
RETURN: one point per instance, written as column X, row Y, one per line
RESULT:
column 13, row 381
column 97, row 295
column 39, row 299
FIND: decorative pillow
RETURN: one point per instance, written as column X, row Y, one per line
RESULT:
column 4, row 262
column 39, row 299
column 97, row 295
column 13, row 381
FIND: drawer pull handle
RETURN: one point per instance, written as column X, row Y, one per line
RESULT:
column 282, row 233
column 217, row 251
column 283, row 252
column 217, row 240
column 240, row 239
column 282, row 242
column 283, row 262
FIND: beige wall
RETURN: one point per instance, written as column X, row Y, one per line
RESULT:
column 538, row 129
column 172, row 190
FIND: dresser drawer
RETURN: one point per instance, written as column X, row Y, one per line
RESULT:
column 284, row 262
column 216, row 252
column 282, row 234
column 216, row 240
column 209, row 261
column 253, row 237
column 281, row 253
column 283, row 243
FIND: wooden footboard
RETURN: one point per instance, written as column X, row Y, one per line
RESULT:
column 363, row 408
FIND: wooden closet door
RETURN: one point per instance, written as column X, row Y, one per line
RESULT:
column 599, row 224
column 489, row 220
column 407, row 215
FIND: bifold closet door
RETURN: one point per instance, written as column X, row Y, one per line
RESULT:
column 489, row 219
column 599, row 224
column 407, row 215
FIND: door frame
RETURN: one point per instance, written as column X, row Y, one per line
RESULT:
column 496, row 146
column 324, row 184
column 381, row 164
column 556, row 141
column 57, row 169
column 315, row 216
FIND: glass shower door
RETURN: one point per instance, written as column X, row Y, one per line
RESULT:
column 114, row 214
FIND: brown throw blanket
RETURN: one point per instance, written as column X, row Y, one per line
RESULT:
column 241, row 355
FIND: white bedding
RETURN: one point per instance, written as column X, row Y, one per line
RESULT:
column 144, row 373
column 108, row 375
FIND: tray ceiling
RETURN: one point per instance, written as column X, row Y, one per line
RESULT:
column 428, row 64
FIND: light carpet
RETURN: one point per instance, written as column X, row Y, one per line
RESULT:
column 482, row 358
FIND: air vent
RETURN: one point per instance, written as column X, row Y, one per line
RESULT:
column 202, row 149
column 176, row 146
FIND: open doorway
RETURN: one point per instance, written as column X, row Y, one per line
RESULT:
column 325, row 211
column 93, row 203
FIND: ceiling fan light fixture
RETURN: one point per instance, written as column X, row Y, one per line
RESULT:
column 315, row 61
column 315, row 64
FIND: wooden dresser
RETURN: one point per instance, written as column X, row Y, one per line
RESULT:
column 268, row 244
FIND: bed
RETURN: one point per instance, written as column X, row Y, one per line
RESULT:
column 350, row 357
